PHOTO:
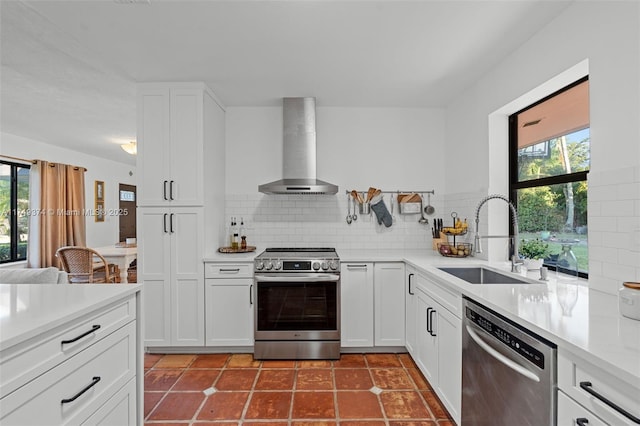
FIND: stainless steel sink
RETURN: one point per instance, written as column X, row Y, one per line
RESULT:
column 480, row 275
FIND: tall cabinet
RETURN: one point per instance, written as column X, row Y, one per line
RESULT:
column 180, row 147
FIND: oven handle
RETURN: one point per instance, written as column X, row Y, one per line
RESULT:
column 297, row 278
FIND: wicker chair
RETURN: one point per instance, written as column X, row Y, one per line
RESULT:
column 85, row 265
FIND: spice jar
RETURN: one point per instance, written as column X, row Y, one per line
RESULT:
column 629, row 300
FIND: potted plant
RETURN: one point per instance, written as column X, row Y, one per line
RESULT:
column 534, row 252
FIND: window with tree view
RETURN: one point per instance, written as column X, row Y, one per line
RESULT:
column 14, row 205
column 549, row 161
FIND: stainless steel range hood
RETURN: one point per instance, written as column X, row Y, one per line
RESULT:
column 299, row 152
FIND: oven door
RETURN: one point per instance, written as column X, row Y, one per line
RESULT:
column 297, row 306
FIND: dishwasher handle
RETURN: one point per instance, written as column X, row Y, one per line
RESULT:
column 503, row 359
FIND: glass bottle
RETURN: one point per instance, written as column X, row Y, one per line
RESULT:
column 567, row 264
column 243, row 235
column 234, row 237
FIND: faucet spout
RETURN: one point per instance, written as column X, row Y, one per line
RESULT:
column 515, row 258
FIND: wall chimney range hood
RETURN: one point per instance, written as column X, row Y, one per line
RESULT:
column 299, row 151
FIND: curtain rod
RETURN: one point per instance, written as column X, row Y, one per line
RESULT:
column 36, row 162
column 19, row 159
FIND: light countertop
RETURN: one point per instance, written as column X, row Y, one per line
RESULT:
column 27, row 310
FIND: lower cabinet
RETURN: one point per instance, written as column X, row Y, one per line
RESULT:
column 438, row 344
column 87, row 372
column 372, row 304
column 229, row 302
column 356, row 304
column 589, row 395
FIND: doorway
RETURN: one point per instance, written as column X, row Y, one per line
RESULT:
column 127, row 197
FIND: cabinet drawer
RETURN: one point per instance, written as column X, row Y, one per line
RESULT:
column 75, row 389
column 228, row 270
column 570, row 412
column 24, row 362
column 573, row 375
column 119, row 410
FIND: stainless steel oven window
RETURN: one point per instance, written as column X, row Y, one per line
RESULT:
column 286, row 306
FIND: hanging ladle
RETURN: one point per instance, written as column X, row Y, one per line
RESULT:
column 423, row 220
column 348, row 210
column 429, row 209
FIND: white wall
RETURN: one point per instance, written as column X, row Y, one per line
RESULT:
column 110, row 172
column 607, row 34
column 388, row 148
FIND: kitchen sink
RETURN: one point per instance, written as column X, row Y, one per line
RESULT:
column 480, row 275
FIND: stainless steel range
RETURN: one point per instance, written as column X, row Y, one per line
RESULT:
column 297, row 304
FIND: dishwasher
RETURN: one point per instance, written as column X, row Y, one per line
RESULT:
column 508, row 372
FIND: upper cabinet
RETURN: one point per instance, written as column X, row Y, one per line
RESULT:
column 172, row 132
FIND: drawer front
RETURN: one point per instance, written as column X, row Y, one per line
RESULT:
column 588, row 385
column 75, row 389
column 449, row 300
column 119, row 410
column 570, row 413
column 24, row 362
column 228, row 270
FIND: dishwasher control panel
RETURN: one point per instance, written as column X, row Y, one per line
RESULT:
column 515, row 343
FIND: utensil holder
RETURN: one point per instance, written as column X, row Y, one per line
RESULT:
column 364, row 208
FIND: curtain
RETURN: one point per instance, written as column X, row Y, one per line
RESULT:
column 57, row 204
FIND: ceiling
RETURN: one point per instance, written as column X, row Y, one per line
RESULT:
column 69, row 68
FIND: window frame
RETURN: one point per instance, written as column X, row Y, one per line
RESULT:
column 514, row 184
column 14, row 238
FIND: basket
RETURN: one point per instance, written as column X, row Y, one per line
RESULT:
column 455, row 250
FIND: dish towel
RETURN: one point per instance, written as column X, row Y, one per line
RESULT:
column 380, row 209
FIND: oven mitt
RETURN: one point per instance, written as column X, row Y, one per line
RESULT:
column 380, row 209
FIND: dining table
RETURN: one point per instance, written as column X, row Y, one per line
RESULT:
column 121, row 255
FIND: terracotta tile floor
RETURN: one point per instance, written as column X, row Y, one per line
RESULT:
column 234, row 389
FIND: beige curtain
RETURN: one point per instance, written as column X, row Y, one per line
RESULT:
column 57, row 203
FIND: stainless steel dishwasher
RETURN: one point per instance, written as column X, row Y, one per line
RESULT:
column 508, row 373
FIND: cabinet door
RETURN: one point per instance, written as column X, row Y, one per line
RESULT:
column 187, row 277
column 153, row 146
column 154, row 271
column 356, row 304
column 186, row 148
column 229, row 312
column 411, row 301
column 448, row 330
column 427, row 340
column 389, row 304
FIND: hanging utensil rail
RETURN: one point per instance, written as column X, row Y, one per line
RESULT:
column 399, row 192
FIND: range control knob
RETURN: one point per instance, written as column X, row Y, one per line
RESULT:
column 316, row 266
column 333, row 265
column 277, row 265
column 268, row 265
column 259, row 265
column 325, row 265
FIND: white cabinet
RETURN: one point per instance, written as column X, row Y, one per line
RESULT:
column 229, row 303
column 171, row 134
column 411, row 309
column 372, row 304
column 389, row 304
column 356, row 304
column 81, row 364
column 587, row 392
column 170, row 266
column 180, row 148
column 438, row 349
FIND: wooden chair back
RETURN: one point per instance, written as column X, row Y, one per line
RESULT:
column 85, row 265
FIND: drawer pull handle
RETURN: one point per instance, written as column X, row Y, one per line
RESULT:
column 230, row 271
column 581, row 421
column 94, row 381
column 587, row 387
column 410, row 292
column 86, row 333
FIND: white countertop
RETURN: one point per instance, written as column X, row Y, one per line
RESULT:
column 594, row 330
column 27, row 310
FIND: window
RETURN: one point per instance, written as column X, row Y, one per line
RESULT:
column 549, row 158
column 14, row 204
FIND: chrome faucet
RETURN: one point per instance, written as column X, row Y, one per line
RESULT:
column 516, row 262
